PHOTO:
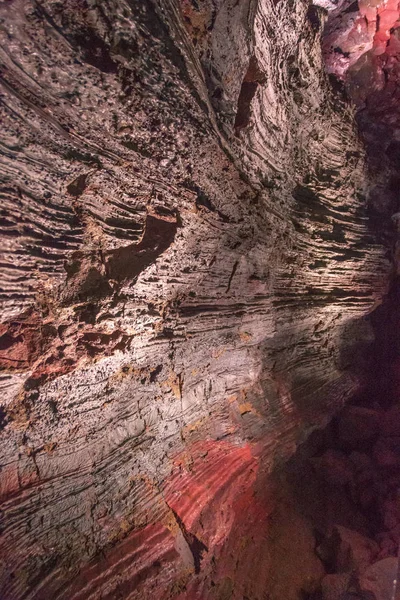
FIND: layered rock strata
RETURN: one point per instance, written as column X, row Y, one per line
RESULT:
column 362, row 49
column 345, row 482
column 186, row 264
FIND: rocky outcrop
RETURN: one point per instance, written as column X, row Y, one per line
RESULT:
column 362, row 49
column 186, row 267
column 346, row 490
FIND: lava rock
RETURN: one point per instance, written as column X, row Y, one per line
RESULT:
column 388, row 546
column 346, row 550
column 334, row 586
column 378, row 578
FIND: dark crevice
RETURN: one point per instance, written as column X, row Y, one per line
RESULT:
column 234, row 268
column 196, row 546
column 253, row 78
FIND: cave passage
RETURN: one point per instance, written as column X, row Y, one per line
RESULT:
column 199, row 299
column 345, row 480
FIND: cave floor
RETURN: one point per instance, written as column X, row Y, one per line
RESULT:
column 334, row 533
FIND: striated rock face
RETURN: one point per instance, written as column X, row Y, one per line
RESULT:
column 362, row 48
column 186, row 267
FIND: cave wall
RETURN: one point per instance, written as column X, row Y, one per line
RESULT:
column 186, row 266
column 361, row 50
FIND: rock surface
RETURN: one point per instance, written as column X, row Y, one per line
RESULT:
column 351, row 551
column 186, row 267
column 378, row 578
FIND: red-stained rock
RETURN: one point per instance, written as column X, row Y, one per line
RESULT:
column 368, row 10
column 23, row 339
column 217, row 503
column 9, row 481
column 147, row 558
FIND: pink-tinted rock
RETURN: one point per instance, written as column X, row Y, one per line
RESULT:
column 378, row 578
column 388, row 546
column 367, row 10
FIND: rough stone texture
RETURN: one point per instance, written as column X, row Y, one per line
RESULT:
column 362, row 48
column 352, row 551
column 378, row 578
column 334, row 586
column 186, row 264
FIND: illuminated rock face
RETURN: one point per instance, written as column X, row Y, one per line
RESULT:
column 362, row 47
column 186, row 266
